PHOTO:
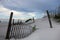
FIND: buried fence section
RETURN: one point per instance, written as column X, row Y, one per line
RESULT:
column 20, row 31
column 17, row 31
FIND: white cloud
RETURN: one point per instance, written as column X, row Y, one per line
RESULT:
column 4, row 12
column 8, row 11
column 32, row 14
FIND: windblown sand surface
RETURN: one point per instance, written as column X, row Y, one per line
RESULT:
column 44, row 32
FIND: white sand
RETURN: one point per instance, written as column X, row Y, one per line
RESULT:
column 44, row 32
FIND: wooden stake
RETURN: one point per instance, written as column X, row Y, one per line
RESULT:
column 9, row 26
column 49, row 19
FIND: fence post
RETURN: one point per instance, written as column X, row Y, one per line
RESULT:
column 13, row 21
column 9, row 26
column 33, row 20
column 49, row 19
column 18, row 22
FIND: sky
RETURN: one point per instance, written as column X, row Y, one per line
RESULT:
column 24, row 9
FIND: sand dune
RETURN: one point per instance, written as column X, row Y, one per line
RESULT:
column 44, row 32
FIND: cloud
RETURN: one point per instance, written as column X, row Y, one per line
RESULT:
column 8, row 11
column 5, row 13
column 32, row 14
column 30, row 5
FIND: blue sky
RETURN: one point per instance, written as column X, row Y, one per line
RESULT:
column 26, row 8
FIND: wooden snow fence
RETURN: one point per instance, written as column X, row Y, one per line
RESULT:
column 18, row 31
